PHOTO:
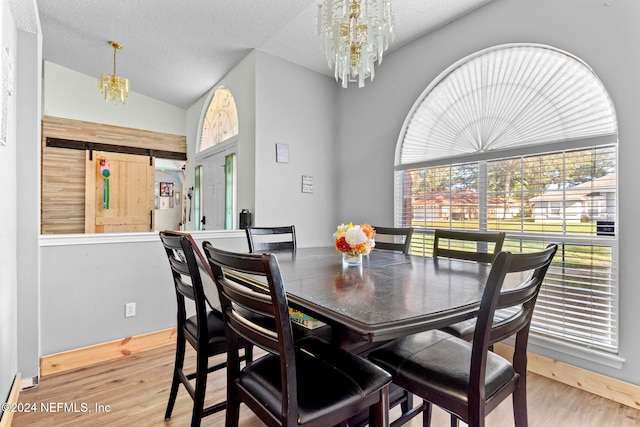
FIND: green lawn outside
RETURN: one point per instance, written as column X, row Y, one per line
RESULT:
column 579, row 228
column 575, row 256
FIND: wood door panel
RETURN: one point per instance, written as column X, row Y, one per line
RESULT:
column 131, row 194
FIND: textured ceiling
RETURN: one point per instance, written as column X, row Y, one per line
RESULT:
column 176, row 50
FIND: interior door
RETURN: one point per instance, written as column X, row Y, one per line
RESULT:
column 123, row 201
column 213, row 192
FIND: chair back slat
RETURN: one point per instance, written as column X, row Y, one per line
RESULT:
column 524, row 295
column 251, row 303
column 267, row 239
column 187, row 263
column 251, row 290
column 246, row 327
column 394, row 233
column 452, row 244
column 185, row 289
column 532, row 268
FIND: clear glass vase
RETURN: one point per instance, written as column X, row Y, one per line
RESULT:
column 351, row 260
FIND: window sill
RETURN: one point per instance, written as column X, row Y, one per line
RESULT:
column 568, row 353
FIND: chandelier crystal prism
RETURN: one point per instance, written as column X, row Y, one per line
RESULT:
column 354, row 35
column 114, row 87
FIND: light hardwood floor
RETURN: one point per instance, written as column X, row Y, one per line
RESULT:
column 133, row 391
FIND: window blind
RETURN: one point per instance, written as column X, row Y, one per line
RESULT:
column 567, row 197
column 504, row 97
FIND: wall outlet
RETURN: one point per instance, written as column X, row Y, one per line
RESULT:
column 130, row 309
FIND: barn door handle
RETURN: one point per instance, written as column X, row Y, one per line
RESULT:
column 150, row 220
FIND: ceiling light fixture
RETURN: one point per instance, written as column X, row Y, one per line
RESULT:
column 114, row 87
column 354, row 35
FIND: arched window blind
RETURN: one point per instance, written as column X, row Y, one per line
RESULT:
column 505, row 97
column 220, row 122
column 522, row 139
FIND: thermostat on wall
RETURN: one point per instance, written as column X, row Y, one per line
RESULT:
column 282, row 153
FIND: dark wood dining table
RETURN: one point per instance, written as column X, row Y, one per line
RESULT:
column 390, row 295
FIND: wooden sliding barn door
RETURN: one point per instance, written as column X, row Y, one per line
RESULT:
column 131, row 194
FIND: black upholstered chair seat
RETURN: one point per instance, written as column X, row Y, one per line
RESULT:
column 215, row 326
column 328, row 378
column 443, row 361
column 464, row 329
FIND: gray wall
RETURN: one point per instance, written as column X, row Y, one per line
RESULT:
column 86, row 280
column 279, row 102
column 365, row 126
column 82, row 281
column 66, row 89
column 8, row 263
column 296, row 107
column 241, row 81
column 28, row 201
column 605, row 37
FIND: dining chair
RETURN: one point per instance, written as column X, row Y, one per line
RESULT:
column 454, row 244
column 466, row 379
column 266, row 239
column 204, row 331
column 391, row 234
column 307, row 382
column 389, row 242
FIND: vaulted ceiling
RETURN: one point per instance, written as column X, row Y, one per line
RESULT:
column 176, row 50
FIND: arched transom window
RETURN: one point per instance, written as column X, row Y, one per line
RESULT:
column 221, row 119
column 522, row 138
column 506, row 97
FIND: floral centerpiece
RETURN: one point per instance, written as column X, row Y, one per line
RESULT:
column 354, row 241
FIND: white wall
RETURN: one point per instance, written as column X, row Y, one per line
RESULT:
column 295, row 106
column 86, row 280
column 286, row 104
column 91, row 297
column 600, row 33
column 29, row 87
column 279, row 102
column 274, row 95
column 8, row 266
column 241, row 81
column 73, row 95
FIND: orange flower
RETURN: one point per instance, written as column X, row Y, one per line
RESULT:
column 360, row 249
column 368, row 231
column 342, row 245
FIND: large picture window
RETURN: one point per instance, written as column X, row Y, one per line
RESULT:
column 522, row 139
column 558, row 197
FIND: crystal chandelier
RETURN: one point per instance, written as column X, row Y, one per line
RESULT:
column 114, row 87
column 354, row 35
